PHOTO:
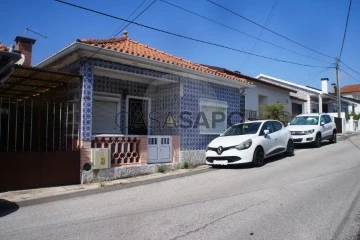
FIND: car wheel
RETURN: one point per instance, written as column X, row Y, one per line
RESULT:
column 258, row 158
column 317, row 142
column 290, row 148
column 333, row 138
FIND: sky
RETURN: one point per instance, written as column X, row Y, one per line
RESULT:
column 315, row 24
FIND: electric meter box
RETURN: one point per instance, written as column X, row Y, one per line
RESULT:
column 100, row 158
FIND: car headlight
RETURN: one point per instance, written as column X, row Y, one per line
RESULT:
column 308, row 131
column 244, row 145
column 207, row 148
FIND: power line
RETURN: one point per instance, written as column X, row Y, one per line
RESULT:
column 128, row 24
column 313, row 74
column 350, row 68
column 278, row 34
column 136, row 17
column 236, row 30
column 185, row 37
column 271, row 13
column 347, row 21
column 116, row 32
column 349, row 75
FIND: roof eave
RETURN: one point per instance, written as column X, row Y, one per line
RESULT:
column 287, row 82
column 160, row 65
column 58, row 55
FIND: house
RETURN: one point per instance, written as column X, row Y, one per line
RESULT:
column 353, row 92
column 312, row 100
column 145, row 105
column 264, row 92
column 7, row 62
column 38, row 142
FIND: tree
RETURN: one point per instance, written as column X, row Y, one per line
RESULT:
column 276, row 111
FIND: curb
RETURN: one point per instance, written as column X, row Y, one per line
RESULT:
column 43, row 195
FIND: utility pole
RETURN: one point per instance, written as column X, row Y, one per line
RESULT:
column 338, row 88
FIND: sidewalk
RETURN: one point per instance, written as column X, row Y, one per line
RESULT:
column 23, row 196
column 40, row 193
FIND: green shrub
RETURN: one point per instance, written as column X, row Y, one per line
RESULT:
column 186, row 164
column 161, row 169
column 355, row 116
column 276, row 111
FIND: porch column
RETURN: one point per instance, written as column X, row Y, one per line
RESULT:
column 320, row 104
column 308, row 104
column 87, row 71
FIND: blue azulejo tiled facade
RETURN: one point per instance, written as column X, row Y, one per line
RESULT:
column 193, row 92
column 87, row 71
column 168, row 96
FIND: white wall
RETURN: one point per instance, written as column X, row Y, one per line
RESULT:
column 357, row 107
column 273, row 94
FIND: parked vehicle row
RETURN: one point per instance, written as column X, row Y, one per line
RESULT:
column 254, row 141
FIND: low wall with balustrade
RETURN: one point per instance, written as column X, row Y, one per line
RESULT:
column 128, row 156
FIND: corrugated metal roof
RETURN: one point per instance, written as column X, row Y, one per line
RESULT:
column 27, row 82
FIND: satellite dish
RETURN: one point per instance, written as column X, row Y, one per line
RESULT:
column 21, row 61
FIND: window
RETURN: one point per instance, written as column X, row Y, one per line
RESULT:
column 105, row 118
column 243, row 129
column 327, row 119
column 213, row 110
column 322, row 119
column 266, row 126
column 276, row 126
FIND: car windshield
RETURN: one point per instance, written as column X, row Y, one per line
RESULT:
column 242, row 129
column 305, row 120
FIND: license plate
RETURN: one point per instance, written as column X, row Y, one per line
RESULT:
column 221, row 162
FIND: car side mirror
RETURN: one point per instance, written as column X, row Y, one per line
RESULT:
column 266, row 132
column 322, row 123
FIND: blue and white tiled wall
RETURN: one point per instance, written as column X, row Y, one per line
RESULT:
column 166, row 101
column 193, row 91
column 164, row 97
column 87, row 71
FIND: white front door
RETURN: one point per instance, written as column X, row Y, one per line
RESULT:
column 159, row 149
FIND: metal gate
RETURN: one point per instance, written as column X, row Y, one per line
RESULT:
column 159, row 149
column 39, row 144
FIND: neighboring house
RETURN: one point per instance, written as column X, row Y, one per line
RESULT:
column 308, row 99
column 312, row 100
column 264, row 92
column 38, row 142
column 353, row 92
column 147, row 105
column 7, row 62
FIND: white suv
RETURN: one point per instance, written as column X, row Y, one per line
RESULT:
column 312, row 128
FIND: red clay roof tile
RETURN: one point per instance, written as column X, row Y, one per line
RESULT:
column 3, row 47
column 129, row 46
column 350, row 88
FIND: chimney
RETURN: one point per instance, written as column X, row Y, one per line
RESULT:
column 324, row 85
column 333, row 86
column 24, row 46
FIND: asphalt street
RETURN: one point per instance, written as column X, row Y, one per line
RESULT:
column 312, row 195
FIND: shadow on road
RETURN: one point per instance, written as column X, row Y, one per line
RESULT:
column 7, row 207
column 271, row 159
column 309, row 145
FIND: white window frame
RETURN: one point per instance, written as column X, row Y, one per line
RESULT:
column 108, row 97
column 215, row 104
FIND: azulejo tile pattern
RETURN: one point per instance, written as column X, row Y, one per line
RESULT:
column 87, row 71
column 166, row 102
column 164, row 97
column 191, row 139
